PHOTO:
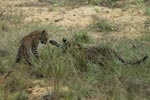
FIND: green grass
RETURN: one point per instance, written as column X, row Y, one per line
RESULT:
column 145, row 7
column 22, row 96
column 85, row 80
column 147, row 11
column 93, row 2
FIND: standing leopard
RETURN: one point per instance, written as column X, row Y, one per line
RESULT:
column 95, row 54
column 29, row 43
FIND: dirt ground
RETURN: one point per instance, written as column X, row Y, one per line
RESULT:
column 80, row 17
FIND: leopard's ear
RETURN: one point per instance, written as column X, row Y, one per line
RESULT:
column 43, row 31
column 64, row 40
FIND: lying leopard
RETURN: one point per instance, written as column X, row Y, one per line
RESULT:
column 94, row 54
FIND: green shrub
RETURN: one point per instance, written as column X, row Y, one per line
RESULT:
column 93, row 2
column 82, row 37
column 145, row 7
column 54, row 66
column 22, row 96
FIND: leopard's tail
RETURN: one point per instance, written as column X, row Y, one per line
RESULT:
column 139, row 61
column 130, row 62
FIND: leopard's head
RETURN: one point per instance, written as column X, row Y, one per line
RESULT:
column 66, row 44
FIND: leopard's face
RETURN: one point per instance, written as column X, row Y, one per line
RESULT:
column 66, row 44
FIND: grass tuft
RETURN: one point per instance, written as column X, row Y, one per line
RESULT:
column 147, row 11
column 82, row 37
column 103, row 25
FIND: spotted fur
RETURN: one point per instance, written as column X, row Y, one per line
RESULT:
column 96, row 54
column 29, row 43
column 93, row 54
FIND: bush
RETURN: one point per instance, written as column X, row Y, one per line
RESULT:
column 103, row 25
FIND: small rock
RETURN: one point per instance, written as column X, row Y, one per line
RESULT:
column 57, row 20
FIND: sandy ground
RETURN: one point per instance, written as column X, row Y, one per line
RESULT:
column 38, row 93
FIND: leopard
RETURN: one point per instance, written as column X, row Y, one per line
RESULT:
column 29, row 43
column 94, row 54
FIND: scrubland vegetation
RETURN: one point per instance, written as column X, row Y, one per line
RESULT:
column 123, row 25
